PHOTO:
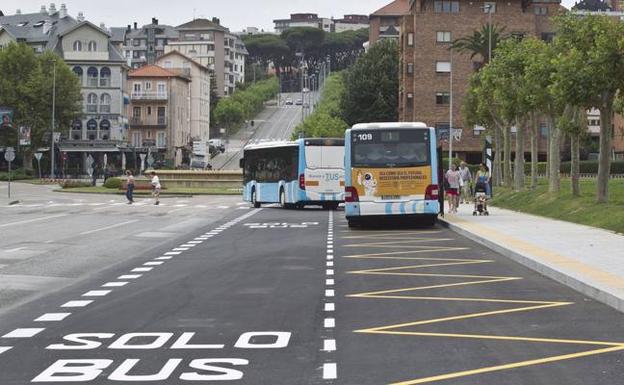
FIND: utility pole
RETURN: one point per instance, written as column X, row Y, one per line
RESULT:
column 52, row 176
column 451, row 111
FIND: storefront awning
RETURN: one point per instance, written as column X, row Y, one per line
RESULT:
column 87, row 149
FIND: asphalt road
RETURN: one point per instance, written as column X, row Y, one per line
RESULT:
column 285, row 297
column 272, row 124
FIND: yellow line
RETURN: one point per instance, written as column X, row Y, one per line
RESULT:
column 402, row 240
column 430, row 250
column 485, row 300
column 368, row 235
column 510, row 366
column 425, row 259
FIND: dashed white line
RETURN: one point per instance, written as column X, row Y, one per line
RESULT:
column 157, row 263
column 23, row 333
column 173, row 253
column 115, row 284
column 330, row 307
column 164, row 258
column 329, row 345
column 130, row 276
column 329, row 272
column 330, row 371
column 329, row 323
column 329, row 282
column 5, row 349
column 195, row 242
column 330, row 257
column 142, row 269
column 97, row 293
column 52, row 317
column 181, row 249
column 109, row 227
column 77, row 303
column 330, row 264
column 330, row 293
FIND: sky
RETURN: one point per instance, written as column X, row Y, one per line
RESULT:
column 234, row 14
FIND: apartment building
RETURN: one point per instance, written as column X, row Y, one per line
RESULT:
column 199, row 97
column 159, row 112
column 213, row 46
column 426, row 63
column 87, row 49
column 385, row 23
column 351, row 23
column 312, row 20
column 143, row 45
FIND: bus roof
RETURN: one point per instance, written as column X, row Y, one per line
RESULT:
column 289, row 143
column 271, row 144
column 386, row 125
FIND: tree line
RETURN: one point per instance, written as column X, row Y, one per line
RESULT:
column 529, row 80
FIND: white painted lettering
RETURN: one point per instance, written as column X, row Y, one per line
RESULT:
column 245, row 340
column 121, row 373
column 81, row 339
column 159, row 340
column 73, row 371
column 185, row 338
column 219, row 374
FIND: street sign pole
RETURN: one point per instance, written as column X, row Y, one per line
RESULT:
column 38, row 156
column 9, row 156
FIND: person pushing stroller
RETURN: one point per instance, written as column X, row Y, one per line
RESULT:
column 482, row 191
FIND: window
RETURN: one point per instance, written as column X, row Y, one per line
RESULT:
column 105, row 77
column 105, row 103
column 92, row 46
column 137, row 139
column 443, row 37
column 77, row 46
column 136, row 112
column 168, row 64
column 446, row 6
column 161, row 140
column 443, row 67
column 149, row 110
column 148, row 86
column 92, row 103
column 92, row 125
column 271, row 165
column 410, row 69
column 78, row 71
column 477, row 130
column 443, row 98
column 410, row 39
column 161, row 88
column 105, row 125
column 92, row 77
column 489, row 7
column 540, row 10
column 410, row 100
column 544, row 130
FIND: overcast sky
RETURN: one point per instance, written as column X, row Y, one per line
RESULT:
column 234, row 14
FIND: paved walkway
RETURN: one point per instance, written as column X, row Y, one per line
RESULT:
column 588, row 259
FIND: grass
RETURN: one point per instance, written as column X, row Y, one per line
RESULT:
column 171, row 191
column 583, row 210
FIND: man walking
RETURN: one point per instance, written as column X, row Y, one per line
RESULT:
column 155, row 187
column 466, row 177
column 130, row 187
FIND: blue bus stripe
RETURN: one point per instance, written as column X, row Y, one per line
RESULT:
column 389, row 208
column 403, row 207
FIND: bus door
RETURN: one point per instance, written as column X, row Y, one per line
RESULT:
column 324, row 173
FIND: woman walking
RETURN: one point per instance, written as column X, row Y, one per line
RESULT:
column 453, row 178
column 155, row 188
column 130, row 187
column 483, row 176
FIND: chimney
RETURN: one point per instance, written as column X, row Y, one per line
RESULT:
column 43, row 9
column 52, row 9
column 129, row 28
column 103, row 26
column 63, row 11
column 135, row 25
column 18, row 12
column 154, row 21
column 216, row 20
column 47, row 26
column 80, row 17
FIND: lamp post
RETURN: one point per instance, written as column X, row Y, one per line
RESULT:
column 488, row 8
column 450, row 110
column 52, row 175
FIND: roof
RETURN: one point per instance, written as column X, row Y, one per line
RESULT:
column 393, row 125
column 167, row 31
column 154, row 71
column 191, row 60
column 87, row 23
column 202, row 24
column 118, row 34
column 29, row 27
column 396, row 8
column 271, row 144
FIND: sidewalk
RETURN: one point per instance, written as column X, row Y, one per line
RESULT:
column 587, row 259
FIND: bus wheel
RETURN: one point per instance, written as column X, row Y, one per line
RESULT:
column 254, row 201
column 283, row 200
column 352, row 223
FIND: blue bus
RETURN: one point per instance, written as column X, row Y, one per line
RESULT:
column 392, row 170
column 295, row 173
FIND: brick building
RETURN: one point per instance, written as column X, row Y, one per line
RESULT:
column 386, row 21
column 426, row 34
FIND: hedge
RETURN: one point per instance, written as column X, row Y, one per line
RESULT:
column 113, row 183
column 19, row 174
column 586, row 167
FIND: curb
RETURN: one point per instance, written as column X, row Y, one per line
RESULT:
column 574, row 283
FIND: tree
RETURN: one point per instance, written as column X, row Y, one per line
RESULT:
column 267, row 48
column 478, row 44
column 372, row 85
column 590, row 73
column 574, row 123
column 26, row 86
column 592, row 5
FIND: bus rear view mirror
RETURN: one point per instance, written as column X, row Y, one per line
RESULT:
column 241, row 163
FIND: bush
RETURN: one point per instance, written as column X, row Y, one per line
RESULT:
column 19, row 174
column 71, row 183
column 113, row 183
column 586, row 167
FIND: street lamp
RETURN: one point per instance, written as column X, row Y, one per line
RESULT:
column 450, row 134
column 489, row 8
column 52, row 175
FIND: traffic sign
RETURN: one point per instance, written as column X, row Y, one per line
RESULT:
column 38, row 155
column 9, row 154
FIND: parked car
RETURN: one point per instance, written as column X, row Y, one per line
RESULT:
column 218, row 144
column 288, row 102
column 299, row 102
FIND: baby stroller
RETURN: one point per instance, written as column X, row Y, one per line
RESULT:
column 480, row 199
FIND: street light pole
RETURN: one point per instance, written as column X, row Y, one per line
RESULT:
column 451, row 111
column 52, row 176
column 489, row 7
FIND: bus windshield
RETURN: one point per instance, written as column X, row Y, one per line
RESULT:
column 390, row 148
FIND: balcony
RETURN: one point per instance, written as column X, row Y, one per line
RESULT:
column 138, row 122
column 149, row 95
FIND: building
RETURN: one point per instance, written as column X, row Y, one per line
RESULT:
column 426, row 34
column 311, row 20
column 385, row 23
column 159, row 112
column 213, row 46
column 351, row 23
column 199, row 101
column 240, row 54
column 87, row 49
column 141, row 46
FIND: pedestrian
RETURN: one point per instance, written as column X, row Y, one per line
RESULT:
column 454, row 184
column 466, row 177
column 155, row 187
column 129, row 187
column 483, row 176
column 94, row 175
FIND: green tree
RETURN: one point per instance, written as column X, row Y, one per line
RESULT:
column 267, row 48
column 478, row 44
column 26, row 85
column 372, row 85
column 590, row 73
column 326, row 120
column 574, row 123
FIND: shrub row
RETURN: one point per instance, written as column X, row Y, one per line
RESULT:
column 19, row 174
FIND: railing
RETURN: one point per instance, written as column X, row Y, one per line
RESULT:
column 137, row 121
column 149, row 95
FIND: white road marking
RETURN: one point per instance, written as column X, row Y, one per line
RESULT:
column 330, row 264
column 181, row 249
column 153, row 263
column 52, row 317
column 329, row 323
column 77, row 303
column 330, row 282
column 329, row 345
column 173, row 253
column 330, row 293
column 142, row 269
column 33, row 220
column 330, row 307
column 109, row 227
column 330, row 371
column 23, row 333
column 195, row 242
column 330, row 257
column 115, row 284
column 188, row 245
column 5, row 349
column 97, row 293
column 164, row 258
column 330, row 272
column 130, row 276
